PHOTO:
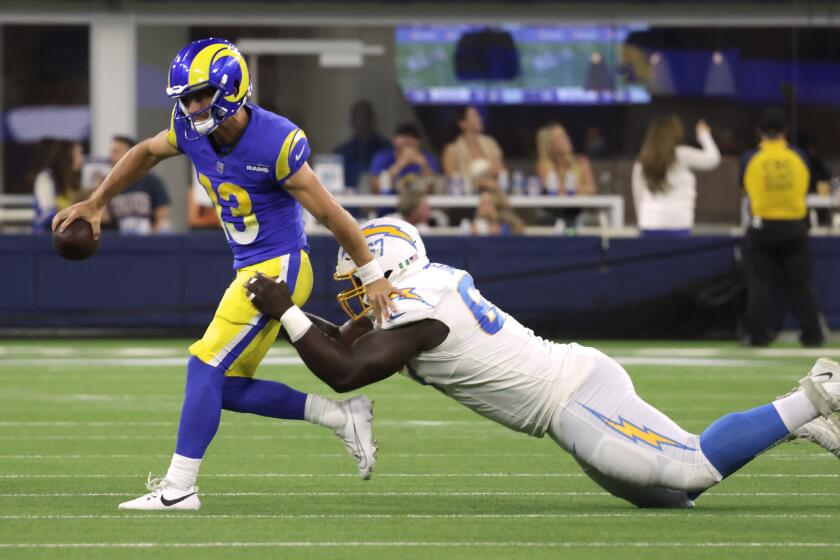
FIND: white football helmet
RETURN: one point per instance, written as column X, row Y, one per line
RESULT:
column 397, row 247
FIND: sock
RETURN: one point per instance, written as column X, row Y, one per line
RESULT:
column 734, row 440
column 266, row 398
column 795, row 410
column 182, row 472
column 202, row 409
column 325, row 412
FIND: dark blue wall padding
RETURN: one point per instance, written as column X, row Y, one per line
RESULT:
column 563, row 286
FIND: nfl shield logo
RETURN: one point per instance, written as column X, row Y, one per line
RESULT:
column 220, row 167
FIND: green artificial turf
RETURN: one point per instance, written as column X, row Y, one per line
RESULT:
column 83, row 423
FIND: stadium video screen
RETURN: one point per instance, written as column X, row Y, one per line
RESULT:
column 516, row 64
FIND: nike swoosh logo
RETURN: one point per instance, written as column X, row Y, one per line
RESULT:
column 169, row 503
column 300, row 153
column 828, row 373
column 396, row 315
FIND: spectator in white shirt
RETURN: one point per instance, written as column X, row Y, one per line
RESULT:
column 56, row 185
column 664, row 186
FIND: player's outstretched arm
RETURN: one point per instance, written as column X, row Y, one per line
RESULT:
column 372, row 357
column 345, row 334
column 131, row 167
column 328, row 328
column 305, row 186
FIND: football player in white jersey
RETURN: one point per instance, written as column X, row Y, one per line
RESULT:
column 447, row 335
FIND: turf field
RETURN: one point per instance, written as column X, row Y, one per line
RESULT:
column 84, row 422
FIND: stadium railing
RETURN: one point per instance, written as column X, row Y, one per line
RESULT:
column 16, row 213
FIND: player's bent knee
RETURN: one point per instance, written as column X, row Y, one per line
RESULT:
column 622, row 461
column 630, row 464
column 639, row 496
column 232, row 389
column 202, row 377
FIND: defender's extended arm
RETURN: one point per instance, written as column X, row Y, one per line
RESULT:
column 373, row 356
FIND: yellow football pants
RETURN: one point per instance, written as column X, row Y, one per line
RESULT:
column 239, row 335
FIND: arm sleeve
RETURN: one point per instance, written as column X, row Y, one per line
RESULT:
column 293, row 154
column 708, row 157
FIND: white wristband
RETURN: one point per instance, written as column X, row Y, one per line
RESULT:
column 295, row 322
column 370, row 272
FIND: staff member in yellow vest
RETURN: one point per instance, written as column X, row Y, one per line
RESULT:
column 775, row 177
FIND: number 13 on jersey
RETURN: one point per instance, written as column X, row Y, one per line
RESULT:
column 236, row 213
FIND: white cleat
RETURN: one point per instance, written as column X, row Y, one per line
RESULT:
column 824, row 431
column 822, row 386
column 357, row 433
column 164, row 497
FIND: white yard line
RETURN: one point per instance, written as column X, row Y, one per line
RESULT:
column 175, row 399
column 268, row 423
column 381, row 475
column 289, row 359
column 126, row 362
column 279, row 436
column 677, row 361
column 36, row 457
column 428, row 544
column 471, row 516
column 423, row 494
column 733, row 352
column 677, row 352
column 797, row 352
column 805, row 456
column 129, row 350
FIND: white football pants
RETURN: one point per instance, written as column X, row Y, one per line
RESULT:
column 626, row 446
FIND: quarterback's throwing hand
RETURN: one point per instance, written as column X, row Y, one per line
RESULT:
column 270, row 297
column 86, row 210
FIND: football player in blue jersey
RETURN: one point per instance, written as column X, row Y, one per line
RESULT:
column 253, row 165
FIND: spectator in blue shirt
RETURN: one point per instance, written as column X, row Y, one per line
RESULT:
column 404, row 163
column 358, row 151
column 143, row 208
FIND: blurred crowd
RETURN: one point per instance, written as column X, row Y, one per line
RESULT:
column 58, row 181
column 664, row 186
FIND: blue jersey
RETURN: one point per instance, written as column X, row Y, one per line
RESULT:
column 261, row 220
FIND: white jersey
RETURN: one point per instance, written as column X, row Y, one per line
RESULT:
column 489, row 362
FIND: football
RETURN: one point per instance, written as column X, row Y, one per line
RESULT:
column 76, row 242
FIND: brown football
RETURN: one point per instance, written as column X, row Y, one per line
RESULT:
column 76, row 242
